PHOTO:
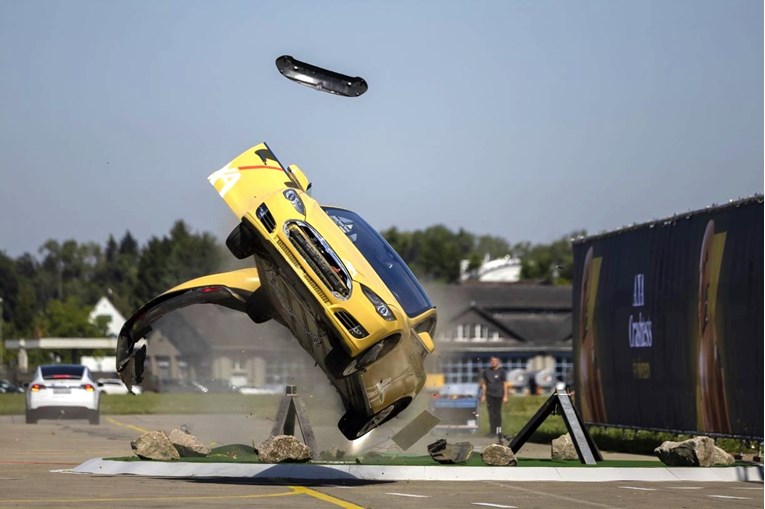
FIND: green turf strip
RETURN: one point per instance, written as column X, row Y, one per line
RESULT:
column 240, row 453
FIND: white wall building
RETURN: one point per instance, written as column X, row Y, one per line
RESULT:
column 501, row 270
column 104, row 307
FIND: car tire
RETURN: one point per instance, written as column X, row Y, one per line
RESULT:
column 95, row 417
column 31, row 417
column 353, row 426
column 242, row 241
column 341, row 365
column 258, row 306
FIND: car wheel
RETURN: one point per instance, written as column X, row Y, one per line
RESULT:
column 341, row 365
column 31, row 417
column 95, row 417
column 258, row 306
column 242, row 241
column 353, row 426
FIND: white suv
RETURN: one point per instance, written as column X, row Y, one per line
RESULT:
column 62, row 391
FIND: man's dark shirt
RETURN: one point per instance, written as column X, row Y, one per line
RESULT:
column 495, row 381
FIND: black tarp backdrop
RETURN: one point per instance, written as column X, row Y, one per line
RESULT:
column 668, row 323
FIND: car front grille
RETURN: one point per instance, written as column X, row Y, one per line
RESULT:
column 308, row 278
column 351, row 324
column 321, row 258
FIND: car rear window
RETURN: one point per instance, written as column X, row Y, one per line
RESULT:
column 62, row 372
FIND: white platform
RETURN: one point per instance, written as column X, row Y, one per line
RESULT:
column 352, row 472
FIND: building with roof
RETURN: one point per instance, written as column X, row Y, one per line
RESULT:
column 527, row 326
column 104, row 307
column 205, row 342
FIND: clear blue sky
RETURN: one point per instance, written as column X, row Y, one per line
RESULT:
column 521, row 119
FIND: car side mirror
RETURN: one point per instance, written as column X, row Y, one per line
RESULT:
column 300, row 178
column 100, row 384
column 426, row 341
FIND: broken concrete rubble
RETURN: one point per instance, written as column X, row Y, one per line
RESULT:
column 154, row 445
column 498, row 455
column 698, row 451
column 446, row 453
column 562, row 448
column 187, row 444
column 283, row 448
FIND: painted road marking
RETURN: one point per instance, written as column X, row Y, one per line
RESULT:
column 637, row 488
column 145, row 499
column 326, row 498
column 128, row 426
column 686, row 487
column 486, row 504
column 294, row 490
column 728, row 496
column 408, row 495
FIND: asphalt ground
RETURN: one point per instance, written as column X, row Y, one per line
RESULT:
column 31, row 454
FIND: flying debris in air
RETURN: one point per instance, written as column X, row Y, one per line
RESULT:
column 320, row 79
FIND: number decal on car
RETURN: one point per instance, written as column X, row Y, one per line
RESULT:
column 229, row 176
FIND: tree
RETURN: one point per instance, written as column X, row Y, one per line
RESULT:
column 70, row 319
column 171, row 260
column 550, row 263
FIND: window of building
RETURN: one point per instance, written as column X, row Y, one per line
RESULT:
column 284, row 371
column 460, row 371
column 468, row 370
column 564, row 368
column 239, row 364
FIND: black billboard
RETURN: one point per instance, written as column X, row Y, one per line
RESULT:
column 668, row 323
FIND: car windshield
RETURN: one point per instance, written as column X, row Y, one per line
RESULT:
column 384, row 259
column 62, row 372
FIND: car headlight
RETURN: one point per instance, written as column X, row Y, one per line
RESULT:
column 295, row 200
column 380, row 306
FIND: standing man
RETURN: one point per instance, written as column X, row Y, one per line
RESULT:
column 494, row 393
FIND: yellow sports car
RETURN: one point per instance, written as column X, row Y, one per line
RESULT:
column 324, row 273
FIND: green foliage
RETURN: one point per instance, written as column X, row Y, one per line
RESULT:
column 70, row 319
column 435, row 253
column 172, row 260
column 549, row 263
column 52, row 295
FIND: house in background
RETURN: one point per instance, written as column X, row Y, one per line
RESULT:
column 204, row 341
column 104, row 307
column 527, row 326
column 500, row 270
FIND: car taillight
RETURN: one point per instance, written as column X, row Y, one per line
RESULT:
column 88, row 387
column 36, row 387
column 436, row 395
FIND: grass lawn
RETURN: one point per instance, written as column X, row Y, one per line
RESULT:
column 168, row 403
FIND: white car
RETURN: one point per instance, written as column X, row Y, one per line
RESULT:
column 265, row 389
column 62, row 391
column 115, row 386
